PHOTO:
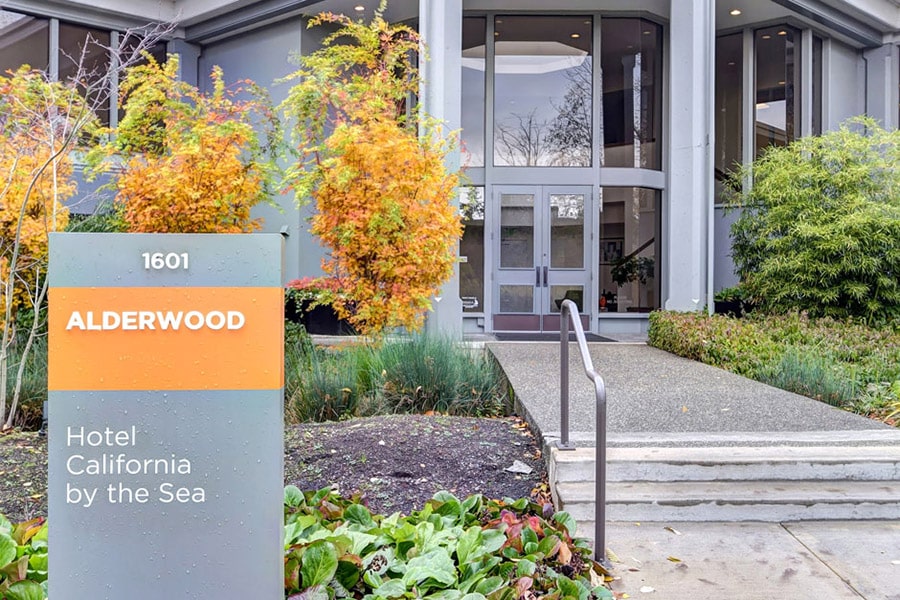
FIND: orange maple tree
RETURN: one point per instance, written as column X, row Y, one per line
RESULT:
column 192, row 162
column 376, row 171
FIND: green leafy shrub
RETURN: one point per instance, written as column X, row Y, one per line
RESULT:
column 23, row 560
column 819, row 229
column 846, row 363
column 407, row 375
column 452, row 549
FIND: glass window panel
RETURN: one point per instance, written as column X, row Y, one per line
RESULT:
column 777, row 86
column 729, row 108
column 24, row 40
column 157, row 51
column 76, row 41
column 473, row 97
column 558, row 293
column 542, row 91
column 567, row 231
column 517, row 231
column 629, row 249
column 817, row 90
column 631, row 76
column 471, row 246
column 516, row 299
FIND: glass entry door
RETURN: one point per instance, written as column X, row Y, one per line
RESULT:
column 541, row 255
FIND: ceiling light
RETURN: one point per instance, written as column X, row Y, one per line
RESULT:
column 731, row 63
column 499, row 21
column 647, row 32
column 735, row 12
column 767, row 37
column 587, row 22
column 496, row 34
column 781, row 83
column 575, row 36
column 782, row 32
column 629, row 46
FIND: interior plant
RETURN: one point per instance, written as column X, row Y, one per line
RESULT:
column 633, row 268
column 375, row 165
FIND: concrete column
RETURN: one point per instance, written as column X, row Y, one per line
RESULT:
column 687, row 224
column 440, row 22
column 188, row 60
column 881, row 84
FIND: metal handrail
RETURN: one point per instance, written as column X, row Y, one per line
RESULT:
column 569, row 312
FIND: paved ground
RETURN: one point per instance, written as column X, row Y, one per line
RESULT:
column 833, row 560
column 655, row 398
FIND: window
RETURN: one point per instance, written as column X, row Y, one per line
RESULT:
column 543, row 91
column 631, row 63
column 817, row 90
column 473, row 73
column 629, row 254
column 77, row 42
column 24, row 40
column 471, row 249
column 777, row 86
column 729, row 108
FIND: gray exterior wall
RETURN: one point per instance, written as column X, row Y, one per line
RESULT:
column 844, row 75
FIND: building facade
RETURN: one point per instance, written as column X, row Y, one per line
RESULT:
column 596, row 134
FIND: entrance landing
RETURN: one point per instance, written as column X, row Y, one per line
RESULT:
column 657, row 398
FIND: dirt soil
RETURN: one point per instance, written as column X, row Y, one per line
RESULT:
column 397, row 462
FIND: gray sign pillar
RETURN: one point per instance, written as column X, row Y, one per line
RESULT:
column 166, row 421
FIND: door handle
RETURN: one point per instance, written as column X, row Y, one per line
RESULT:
column 537, row 277
column 546, row 276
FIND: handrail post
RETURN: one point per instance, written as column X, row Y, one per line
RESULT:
column 568, row 310
column 564, row 316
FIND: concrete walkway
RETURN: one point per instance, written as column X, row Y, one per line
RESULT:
column 658, row 399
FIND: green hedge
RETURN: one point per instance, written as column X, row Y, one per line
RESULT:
column 844, row 363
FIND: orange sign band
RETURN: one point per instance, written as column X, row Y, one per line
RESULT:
column 165, row 339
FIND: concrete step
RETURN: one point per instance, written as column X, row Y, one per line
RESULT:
column 722, row 463
column 771, row 501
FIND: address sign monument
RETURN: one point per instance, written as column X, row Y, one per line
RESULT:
column 165, row 410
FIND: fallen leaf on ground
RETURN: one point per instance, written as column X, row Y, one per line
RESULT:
column 519, row 467
column 673, row 559
column 672, row 530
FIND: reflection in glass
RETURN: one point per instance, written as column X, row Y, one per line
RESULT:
column 473, row 72
column 777, row 86
column 471, row 246
column 631, row 72
column 516, row 299
column 629, row 252
column 516, row 231
column 542, row 103
column 24, row 40
column 567, row 231
column 729, row 108
column 558, row 293
column 76, row 42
